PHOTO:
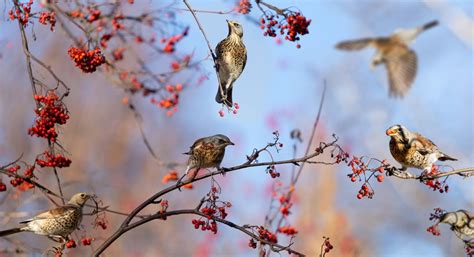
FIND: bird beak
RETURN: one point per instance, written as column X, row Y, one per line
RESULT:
column 230, row 143
column 390, row 132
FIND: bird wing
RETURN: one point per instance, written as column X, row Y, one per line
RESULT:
column 357, row 44
column 49, row 214
column 423, row 144
column 401, row 64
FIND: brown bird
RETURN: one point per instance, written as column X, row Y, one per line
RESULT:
column 413, row 150
column 462, row 223
column 231, row 59
column 394, row 52
column 206, row 152
column 55, row 223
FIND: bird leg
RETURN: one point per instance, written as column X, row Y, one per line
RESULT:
column 181, row 179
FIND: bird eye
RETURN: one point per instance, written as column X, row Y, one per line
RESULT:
column 83, row 195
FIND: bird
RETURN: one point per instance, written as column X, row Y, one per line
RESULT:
column 206, row 152
column 231, row 57
column 462, row 223
column 56, row 223
column 393, row 51
column 413, row 150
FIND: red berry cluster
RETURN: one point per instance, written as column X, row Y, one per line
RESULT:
column 87, row 61
column 86, row 241
column 288, row 230
column 252, row 243
column 434, row 230
column 365, row 191
column 101, row 221
column 285, row 205
column 18, row 182
column 71, row 244
column 243, row 6
column 272, row 171
column 435, row 184
column 234, row 109
column 362, row 171
column 22, row 13
column 3, row 187
column 94, row 14
column 169, row 103
column 327, row 245
column 118, row 53
column 48, row 159
column 469, row 248
column 296, row 25
column 266, row 235
column 171, row 42
column 171, row 176
column 51, row 112
column 164, row 206
column 48, row 17
column 116, row 22
column 293, row 24
column 210, row 225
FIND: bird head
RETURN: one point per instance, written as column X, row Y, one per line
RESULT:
column 221, row 140
column 79, row 199
column 235, row 28
column 457, row 219
column 398, row 132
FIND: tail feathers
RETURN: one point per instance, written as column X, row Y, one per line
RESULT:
column 228, row 96
column 10, row 231
column 430, row 25
column 351, row 45
column 445, row 157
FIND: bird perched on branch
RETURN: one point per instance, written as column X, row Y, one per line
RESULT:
column 462, row 223
column 206, row 152
column 56, row 223
column 393, row 51
column 231, row 58
column 413, row 150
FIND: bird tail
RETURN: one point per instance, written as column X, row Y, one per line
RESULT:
column 227, row 92
column 10, row 231
column 351, row 45
column 429, row 25
column 445, row 157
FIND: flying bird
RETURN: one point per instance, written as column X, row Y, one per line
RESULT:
column 411, row 149
column 206, row 152
column 231, row 59
column 55, row 223
column 393, row 51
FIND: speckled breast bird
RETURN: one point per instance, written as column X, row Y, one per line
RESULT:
column 55, row 223
column 413, row 150
column 462, row 223
column 393, row 51
column 231, row 59
column 206, row 152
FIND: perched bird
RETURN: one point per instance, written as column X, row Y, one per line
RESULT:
column 231, row 59
column 462, row 223
column 394, row 52
column 55, row 223
column 206, row 152
column 413, row 150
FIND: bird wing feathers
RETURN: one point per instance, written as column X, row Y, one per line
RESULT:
column 401, row 64
column 423, row 144
column 53, row 213
column 357, row 44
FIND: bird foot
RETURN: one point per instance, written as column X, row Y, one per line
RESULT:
column 224, row 170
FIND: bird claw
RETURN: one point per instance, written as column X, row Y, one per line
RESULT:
column 224, row 170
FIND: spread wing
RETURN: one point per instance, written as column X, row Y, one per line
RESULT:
column 357, row 44
column 401, row 64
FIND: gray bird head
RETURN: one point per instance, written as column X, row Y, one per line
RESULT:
column 79, row 199
column 220, row 140
column 399, row 132
column 235, row 28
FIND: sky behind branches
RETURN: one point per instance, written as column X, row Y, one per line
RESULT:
column 279, row 90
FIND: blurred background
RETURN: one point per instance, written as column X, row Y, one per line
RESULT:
column 280, row 89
